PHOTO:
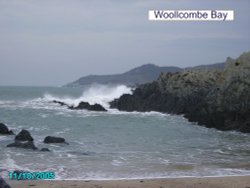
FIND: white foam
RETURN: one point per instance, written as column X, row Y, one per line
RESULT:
column 117, row 163
column 101, row 94
column 10, row 164
column 3, row 137
column 62, row 131
column 43, row 115
column 6, row 102
column 151, row 113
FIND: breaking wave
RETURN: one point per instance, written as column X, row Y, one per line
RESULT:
column 101, row 94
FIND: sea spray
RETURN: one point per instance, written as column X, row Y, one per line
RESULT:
column 103, row 94
column 96, row 93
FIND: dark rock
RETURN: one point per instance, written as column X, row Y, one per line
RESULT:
column 3, row 184
column 97, row 107
column 25, row 145
column 45, row 149
column 23, row 140
column 82, row 105
column 24, row 135
column 87, row 106
column 4, row 129
column 52, row 139
column 214, row 98
column 60, row 102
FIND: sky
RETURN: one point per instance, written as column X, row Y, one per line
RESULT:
column 54, row 42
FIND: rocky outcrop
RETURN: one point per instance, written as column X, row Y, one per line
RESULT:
column 97, row 107
column 25, row 145
column 172, row 93
column 23, row 140
column 83, row 106
column 26, row 141
column 213, row 98
column 4, row 130
column 52, row 139
column 24, row 135
column 61, row 103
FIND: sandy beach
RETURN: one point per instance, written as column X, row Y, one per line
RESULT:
column 203, row 182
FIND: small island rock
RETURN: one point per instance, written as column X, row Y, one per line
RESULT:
column 24, row 135
column 4, row 129
column 25, row 145
column 52, row 139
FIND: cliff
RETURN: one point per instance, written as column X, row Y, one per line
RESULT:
column 213, row 98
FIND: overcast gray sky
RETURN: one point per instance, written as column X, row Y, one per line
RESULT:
column 54, row 42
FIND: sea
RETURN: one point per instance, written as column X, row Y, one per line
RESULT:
column 113, row 144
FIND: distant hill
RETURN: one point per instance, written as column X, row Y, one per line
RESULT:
column 139, row 75
column 217, row 66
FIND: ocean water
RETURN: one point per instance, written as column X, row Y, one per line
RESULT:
column 113, row 144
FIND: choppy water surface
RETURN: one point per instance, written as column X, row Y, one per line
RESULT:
column 113, row 144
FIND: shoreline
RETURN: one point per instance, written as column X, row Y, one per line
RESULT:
column 182, row 182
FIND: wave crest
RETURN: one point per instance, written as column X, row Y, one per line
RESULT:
column 101, row 94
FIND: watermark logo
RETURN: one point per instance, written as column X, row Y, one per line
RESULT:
column 191, row 15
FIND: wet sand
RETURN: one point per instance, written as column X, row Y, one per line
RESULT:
column 199, row 182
